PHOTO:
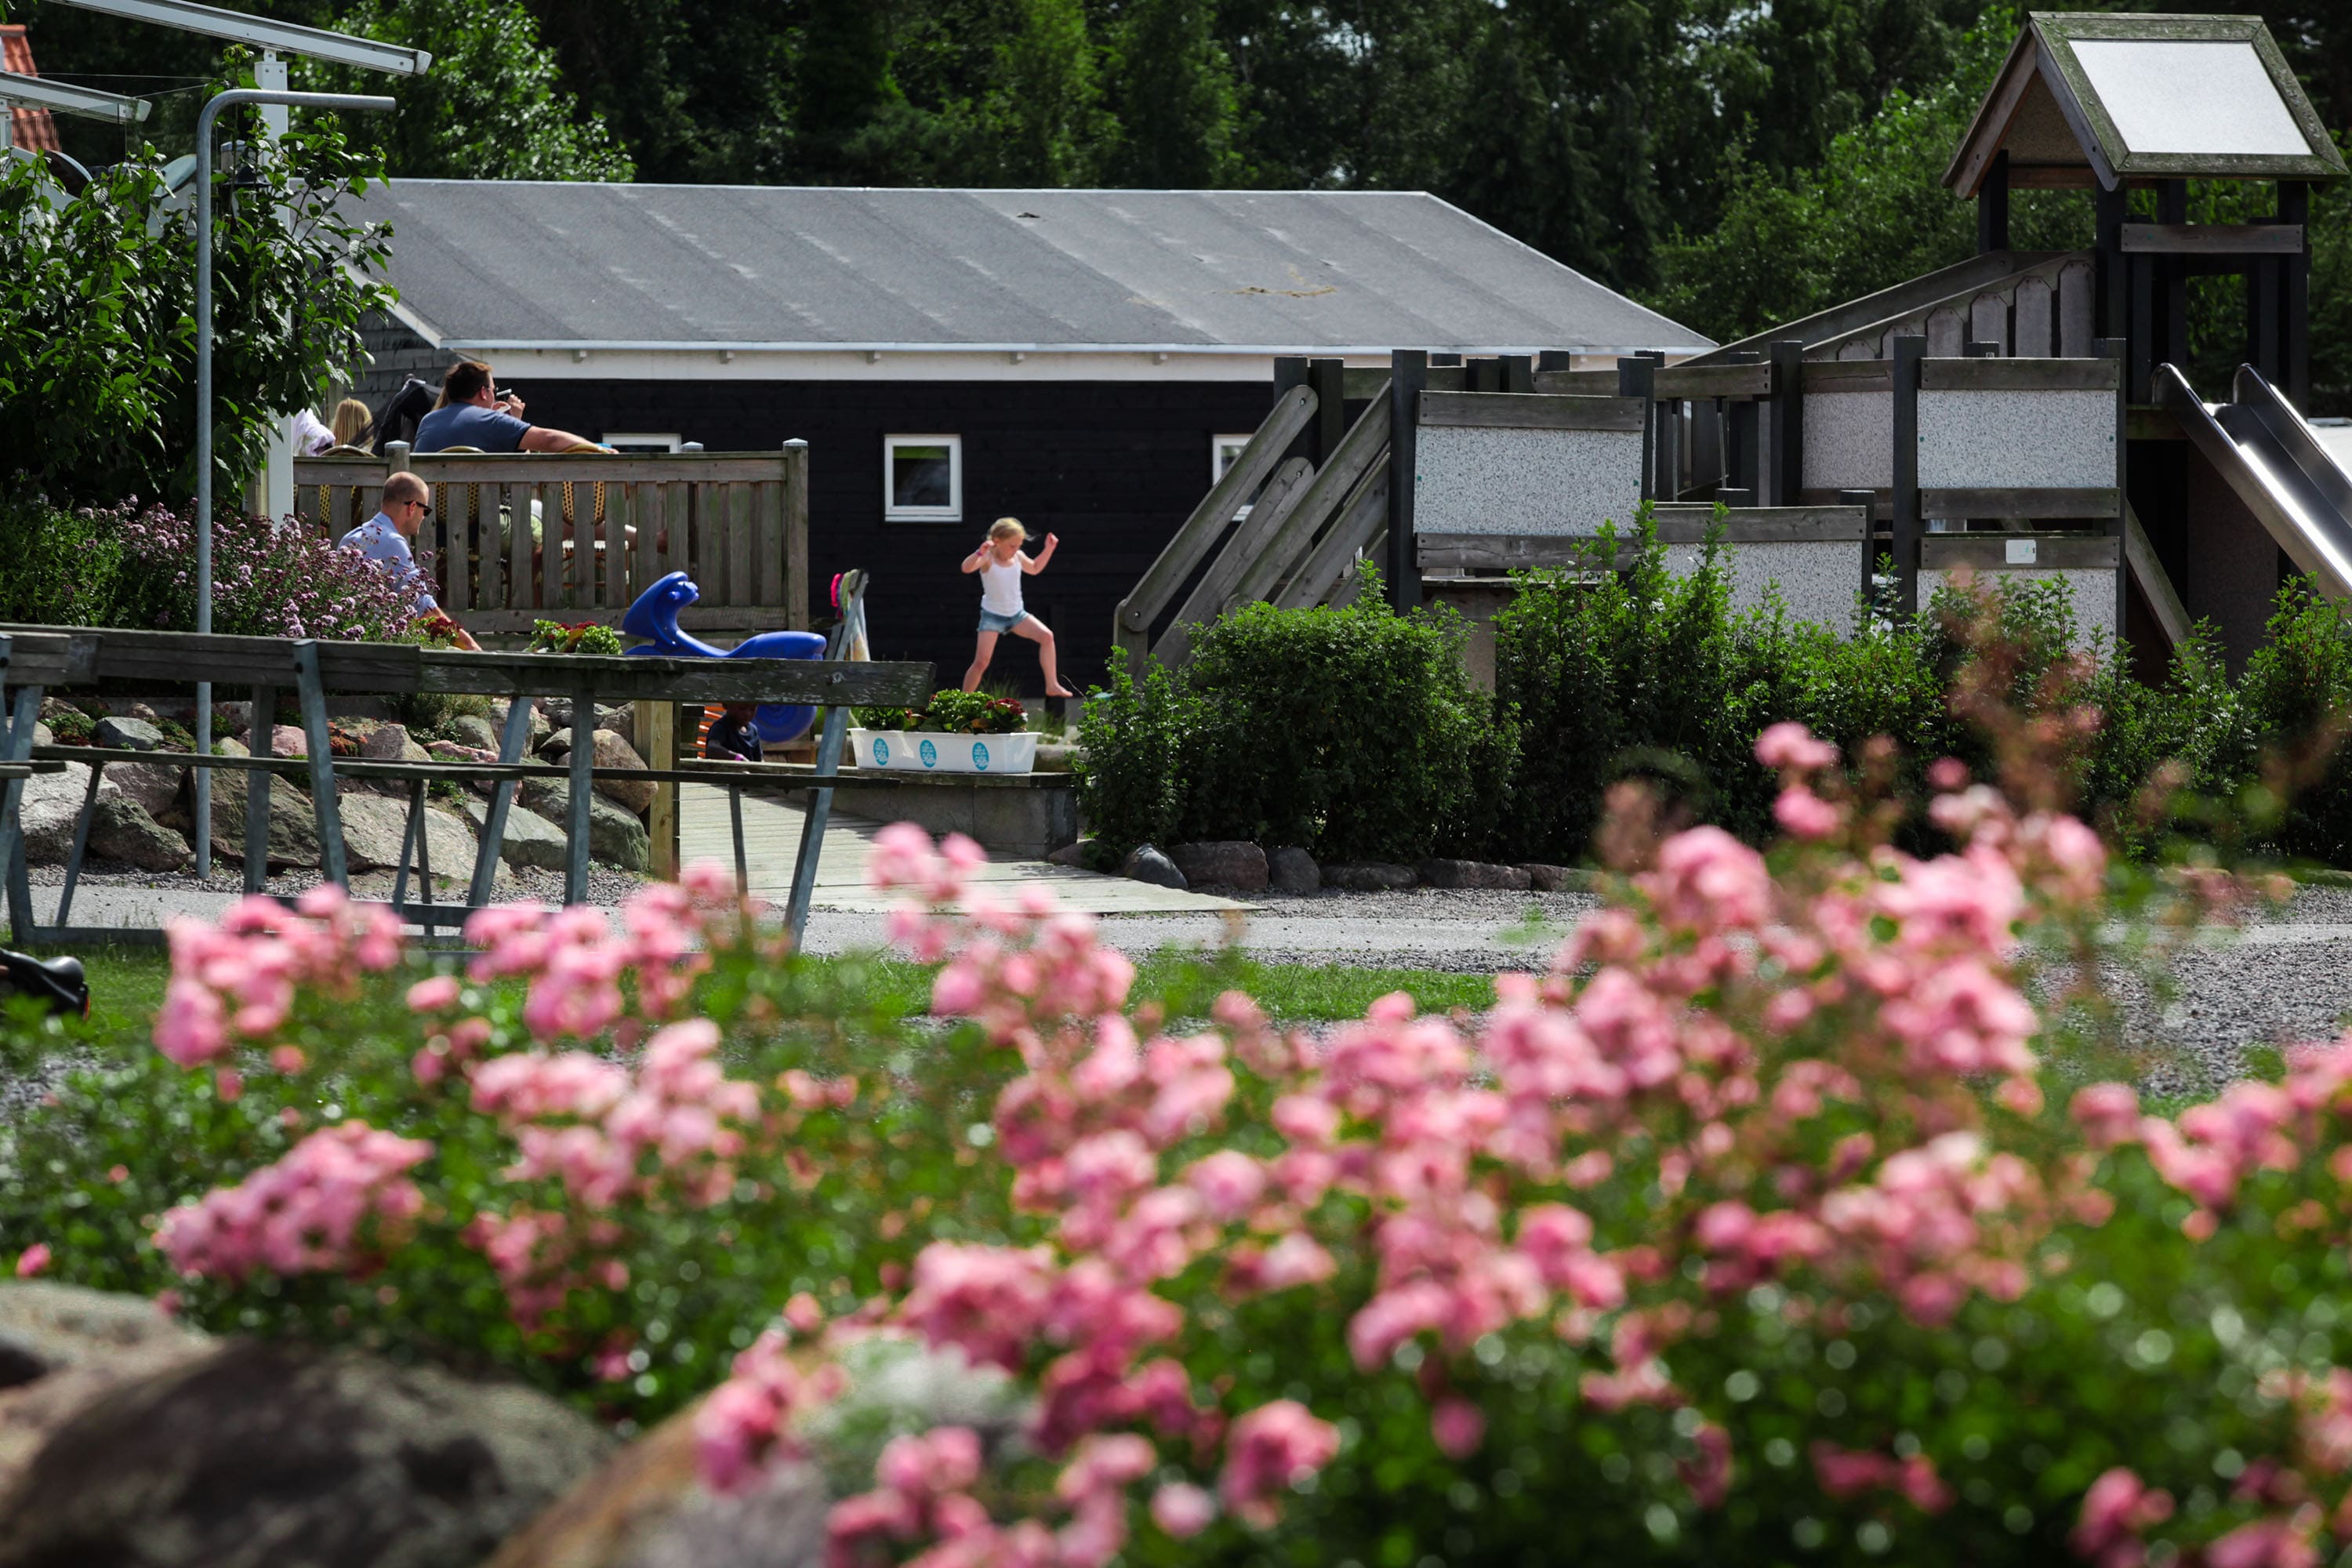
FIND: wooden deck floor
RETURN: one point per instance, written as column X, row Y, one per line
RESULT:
column 772, row 837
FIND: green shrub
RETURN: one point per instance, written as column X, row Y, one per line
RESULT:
column 1644, row 671
column 1355, row 733
column 2298, row 693
column 64, row 567
column 1135, row 742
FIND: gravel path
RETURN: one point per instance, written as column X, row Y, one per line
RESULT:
column 113, row 895
column 2287, row 977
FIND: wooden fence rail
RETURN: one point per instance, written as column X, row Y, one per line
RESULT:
column 516, row 537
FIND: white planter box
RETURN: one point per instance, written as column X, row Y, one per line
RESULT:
column 897, row 750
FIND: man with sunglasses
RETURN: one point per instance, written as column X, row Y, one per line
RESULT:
column 385, row 538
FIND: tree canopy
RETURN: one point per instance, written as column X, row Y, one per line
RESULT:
column 1734, row 163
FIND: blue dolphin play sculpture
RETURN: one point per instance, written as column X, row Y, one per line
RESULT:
column 654, row 617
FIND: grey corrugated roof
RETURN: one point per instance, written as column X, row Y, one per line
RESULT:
column 502, row 263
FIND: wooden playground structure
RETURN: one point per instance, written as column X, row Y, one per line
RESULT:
column 2016, row 411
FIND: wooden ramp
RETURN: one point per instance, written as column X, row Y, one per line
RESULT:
column 772, row 835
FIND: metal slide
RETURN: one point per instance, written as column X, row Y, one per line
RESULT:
column 2276, row 466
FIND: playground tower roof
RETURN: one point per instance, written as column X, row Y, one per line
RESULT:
column 490, row 266
column 2088, row 98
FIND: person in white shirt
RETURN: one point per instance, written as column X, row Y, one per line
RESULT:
column 384, row 538
column 1001, row 564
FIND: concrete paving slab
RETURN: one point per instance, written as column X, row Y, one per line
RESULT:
column 771, row 838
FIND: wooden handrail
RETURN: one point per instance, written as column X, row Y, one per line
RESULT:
column 1201, row 532
column 73, row 655
column 1333, row 559
column 1366, row 441
column 1213, row 596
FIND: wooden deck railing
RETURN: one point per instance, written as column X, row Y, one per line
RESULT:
column 607, row 528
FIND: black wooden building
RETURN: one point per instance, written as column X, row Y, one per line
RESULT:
column 1081, row 360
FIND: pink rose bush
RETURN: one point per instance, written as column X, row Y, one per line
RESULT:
column 1779, row 1216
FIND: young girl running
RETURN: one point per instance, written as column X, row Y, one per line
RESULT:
column 1001, row 565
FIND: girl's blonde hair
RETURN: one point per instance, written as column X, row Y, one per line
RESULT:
column 352, row 423
column 1007, row 528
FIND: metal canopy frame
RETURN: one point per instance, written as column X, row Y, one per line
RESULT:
column 60, row 97
column 262, row 33
column 2044, row 51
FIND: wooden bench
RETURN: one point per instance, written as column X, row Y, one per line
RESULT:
column 36, row 659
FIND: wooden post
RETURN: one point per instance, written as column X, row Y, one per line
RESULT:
column 1482, row 375
column 1743, row 448
column 2107, row 348
column 511, row 742
column 258, row 734
column 582, row 789
column 1637, row 377
column 2294, row 306
column 1289, row 372
column 324, row 804
column 1667, row 418
column 1556, row 359
column 796, row 541
column 656, row 727
column 2109, row 292
column 2172, row 280
column 1519, row 372
column 1909, row 351
column 1993, row 205
column 1326, row 378
column 1408, row 369
column 1868, row 501
column 1788, row 423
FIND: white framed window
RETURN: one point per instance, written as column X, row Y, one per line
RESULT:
column 638, row 441
column 1224, row 451
column 922, row 478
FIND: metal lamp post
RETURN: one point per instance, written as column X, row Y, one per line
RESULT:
column 205, row 122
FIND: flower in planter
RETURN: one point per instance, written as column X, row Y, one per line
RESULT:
column 950, row 712
column 576, row 636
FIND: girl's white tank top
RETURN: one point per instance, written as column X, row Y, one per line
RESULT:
column 999, row 587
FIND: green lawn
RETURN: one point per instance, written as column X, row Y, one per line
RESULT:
column 127, row 986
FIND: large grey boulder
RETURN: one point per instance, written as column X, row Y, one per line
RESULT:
column 276, row 1455
column 1369, row 876
column 1233, row 863
column 293, row 824
column 644, row 1509
column 1146, row 864
column 529, row 839
column 375, row 827
column 386, row 743
column 63, row 1346
column 43, row 735
column 615, row 836
column 120, row 829
column 154, row 785
column 1438, row 873
column 49, row 807
column 613, row 751
column 1548, row 879
column 128, row 734
column 1293, row 871
column 473, row 730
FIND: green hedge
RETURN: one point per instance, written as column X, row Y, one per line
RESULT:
column 1355, row 733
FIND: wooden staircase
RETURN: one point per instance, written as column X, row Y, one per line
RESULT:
column 1299, row 541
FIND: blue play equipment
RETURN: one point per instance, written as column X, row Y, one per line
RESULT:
column 654, row 617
